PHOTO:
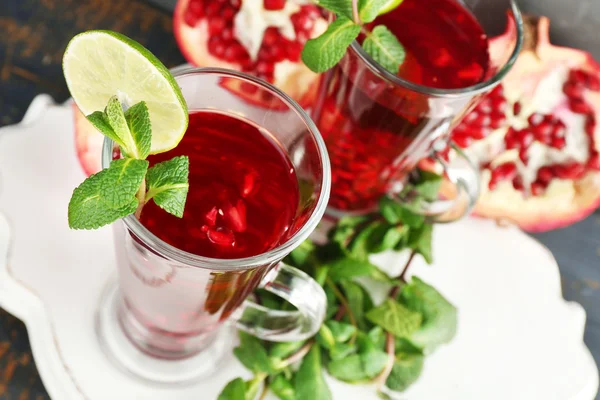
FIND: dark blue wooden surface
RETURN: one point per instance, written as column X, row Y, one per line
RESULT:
column 33, row 34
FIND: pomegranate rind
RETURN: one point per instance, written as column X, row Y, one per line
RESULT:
column 298, row 82
column 88, row 143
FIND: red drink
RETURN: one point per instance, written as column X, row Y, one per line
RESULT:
column 375, row 129
column 243, row 194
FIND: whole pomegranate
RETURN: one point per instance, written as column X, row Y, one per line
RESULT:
column 260, row 37
column 536, row 136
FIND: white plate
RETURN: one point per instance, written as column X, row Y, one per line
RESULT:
column 517, row 337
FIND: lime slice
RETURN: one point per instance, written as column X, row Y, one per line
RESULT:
column 101, row 64
column 389, row 6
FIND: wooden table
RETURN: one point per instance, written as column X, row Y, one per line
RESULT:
column 33, row 35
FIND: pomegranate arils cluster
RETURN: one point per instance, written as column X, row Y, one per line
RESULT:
column 224, row 220
column 547, row 129
column 275, row 47
column 488, row 115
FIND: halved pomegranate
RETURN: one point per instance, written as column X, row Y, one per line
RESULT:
column 261, row 37
column 536, row 137
column 88, row 143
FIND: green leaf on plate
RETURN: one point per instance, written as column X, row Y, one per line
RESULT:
column 439, row 315
column 395, row 318
column 310, row 383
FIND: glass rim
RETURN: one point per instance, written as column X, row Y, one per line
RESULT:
column 230, row 264
column 449, row 93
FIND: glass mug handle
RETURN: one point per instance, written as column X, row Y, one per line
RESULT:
column 301, row 291
column 463, row 176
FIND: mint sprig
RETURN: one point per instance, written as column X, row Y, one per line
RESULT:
column 360, row 342
column 127, row 184
column 326, row 50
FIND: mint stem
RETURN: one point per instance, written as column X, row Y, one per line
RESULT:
column 355, row 16
column 141, row 196
column 390, row 347
column 340, row 296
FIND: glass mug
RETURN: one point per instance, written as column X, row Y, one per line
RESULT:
column 378, row 126
column 162, row 320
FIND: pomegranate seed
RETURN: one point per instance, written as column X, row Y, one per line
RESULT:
column 248, row 88
column 235, row 4
column 227, row 34
column 228, row 14
column 499, row 104
column 518, row 183
column 213, row 8
column 516, row 108
column 558, row 142
column 274, row 4
column 462, row 141
column 498, row 91
column 545, row 174
column 579, row 106
column 593, row 82
column 249, row 183
column 498, row 120
column 537, row 188
column 478, row 134
column 235, row 217
column 221, row 237
column 569, row 171
column 216, row 26
column 525, row 138
column 573, row 90
column 511, row 142
column 277, row 53
column 470, row 117
column 535, row 119
column 590, row 125
column 190, row 19
column 483, row 120
column 211, row 217
column 523, row 155
column 265, row 68
column 485, row 106
column 594, row 161
column 234, row 52
column 504, row 171
column 294, row 51
column 559, row 130
column 270, row 37
column 216, row 47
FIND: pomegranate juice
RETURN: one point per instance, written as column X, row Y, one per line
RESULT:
column 375, row 130
column 243, row 193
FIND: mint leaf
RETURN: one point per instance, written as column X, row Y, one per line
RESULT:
column 252, row 354
column 395, row 318
column 100, row 121
column 341, row 351
column 235, row 390
column 168, row 184
column 346, row 268
column 116, row 118
column 428, row 185
column 340, row 7
column 406, row 370
column 282, row 388
column 420, row 241
column 325, row 51
column 368, row 10
column 340, row 331
column 94, row 204
column 349, row 369
column 284, row 349
column 123, row 180
column 325, row 337
column 310, row 383
column 356, row 297
column 138, row 123
column 384, row 47
column 439, row 315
